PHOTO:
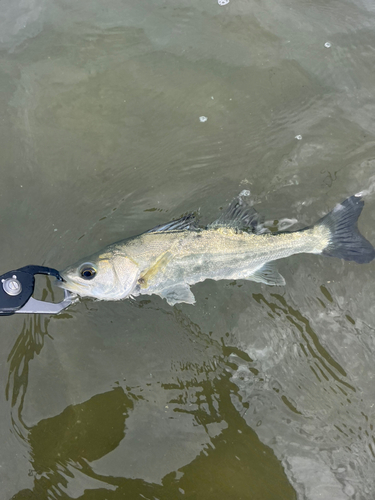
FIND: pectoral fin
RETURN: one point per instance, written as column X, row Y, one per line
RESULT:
column 157, row 267
column 178, row 293
column 269, row 275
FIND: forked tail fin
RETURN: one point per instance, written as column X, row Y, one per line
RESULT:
column 346, row 242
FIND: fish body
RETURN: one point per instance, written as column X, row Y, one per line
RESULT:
column 170, row 258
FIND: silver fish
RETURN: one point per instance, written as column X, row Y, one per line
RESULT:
column 168, row 259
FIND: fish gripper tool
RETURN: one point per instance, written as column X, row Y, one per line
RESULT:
column 17, row 287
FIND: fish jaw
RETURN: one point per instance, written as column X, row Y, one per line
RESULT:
column 77, row 288
column 114, row 293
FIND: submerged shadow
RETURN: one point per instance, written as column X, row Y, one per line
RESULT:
column 29, row 344
column 234, row 465
column 64, row 448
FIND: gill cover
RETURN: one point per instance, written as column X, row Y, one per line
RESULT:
column 104, row 277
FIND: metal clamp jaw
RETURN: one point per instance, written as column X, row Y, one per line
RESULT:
column 17, row 287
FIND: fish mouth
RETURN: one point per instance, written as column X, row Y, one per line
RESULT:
column 72, row 287
column 59, row 280
column 64, row 284
column 61, row 283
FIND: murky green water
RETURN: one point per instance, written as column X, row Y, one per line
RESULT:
column 254, row 392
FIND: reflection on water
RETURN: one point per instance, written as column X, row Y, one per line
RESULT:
column 62, row 447
column 322, row 424
column 65, row 449
column 28, row 345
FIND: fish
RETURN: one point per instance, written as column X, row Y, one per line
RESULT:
column 168, row 259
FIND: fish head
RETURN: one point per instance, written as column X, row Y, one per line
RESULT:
column 107, row 276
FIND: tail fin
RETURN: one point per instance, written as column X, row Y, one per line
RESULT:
column 346, row 242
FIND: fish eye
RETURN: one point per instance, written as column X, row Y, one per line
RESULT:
column 87, row 271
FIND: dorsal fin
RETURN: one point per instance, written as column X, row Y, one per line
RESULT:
column 188, row 222
column 240, row 215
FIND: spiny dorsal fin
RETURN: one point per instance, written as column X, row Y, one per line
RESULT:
column 188, row 222
column 240, row 215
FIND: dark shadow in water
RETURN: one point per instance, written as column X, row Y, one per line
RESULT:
column 68, row 442
column 234, row 465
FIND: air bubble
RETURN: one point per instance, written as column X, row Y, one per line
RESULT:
column 222, row 2
column 327, row 45
column 298, row 137
column 203, row 119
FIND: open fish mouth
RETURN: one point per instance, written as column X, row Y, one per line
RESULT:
column 73, row 287
column 60, row 282
column 65, row 285
column 69, row 293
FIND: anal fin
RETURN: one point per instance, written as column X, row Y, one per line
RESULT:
column 178, row 293
column 268, row 274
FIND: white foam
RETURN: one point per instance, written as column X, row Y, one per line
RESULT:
column 244, row 192
column 369, row 190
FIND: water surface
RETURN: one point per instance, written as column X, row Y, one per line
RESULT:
column 254, row 392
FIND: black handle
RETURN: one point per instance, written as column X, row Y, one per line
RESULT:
column 16, row 287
